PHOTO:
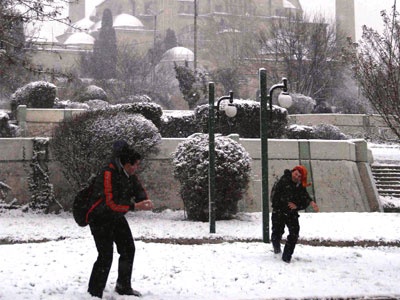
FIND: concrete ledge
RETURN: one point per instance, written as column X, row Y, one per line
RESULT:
column 42, row 115
column 15, row 149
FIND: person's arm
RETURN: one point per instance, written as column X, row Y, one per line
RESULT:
column 108, row 178
column 142, row 201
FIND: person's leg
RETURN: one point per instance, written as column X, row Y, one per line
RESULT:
column 126, row 249
column 294, row 229
column 278, row 228
column 103, row 238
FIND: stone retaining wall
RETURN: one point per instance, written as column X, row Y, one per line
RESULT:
column 340, row 172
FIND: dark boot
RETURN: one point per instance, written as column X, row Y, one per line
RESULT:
column 96, row 294
column 127, row 291
column 286, row 258
column 277, row 247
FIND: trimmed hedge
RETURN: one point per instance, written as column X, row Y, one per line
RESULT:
column 232, row 175
column 247, row 121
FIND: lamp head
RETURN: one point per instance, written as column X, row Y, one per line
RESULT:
column 230, row 110
column 285, row 100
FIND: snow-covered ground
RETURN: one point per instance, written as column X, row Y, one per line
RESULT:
column 50, row 257
column 58, row 265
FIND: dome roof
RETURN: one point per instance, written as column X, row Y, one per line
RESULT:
column 178, row 54
column 288, row 4
column 127, row 21
column 82, row 25
column 79, row 38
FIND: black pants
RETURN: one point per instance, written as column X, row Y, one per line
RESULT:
column 291, row 220
column 105, row 236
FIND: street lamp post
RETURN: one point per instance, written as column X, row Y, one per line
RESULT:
column 265, row 117
column 230, row 112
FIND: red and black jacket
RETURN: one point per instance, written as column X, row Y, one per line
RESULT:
column 285, row 191
column 114, row 194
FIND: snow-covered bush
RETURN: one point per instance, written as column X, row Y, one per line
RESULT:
column 322, row 108
column 321, row 131
column 6, row 128
column 301, row 104
column 328, row 132
column 232, row 174
column 134, row 98
column 149, row 110
column 83, row 144
column 179, row 125
column 42, row 192
column 247, row 121
column 92, row 92
column 38, row 94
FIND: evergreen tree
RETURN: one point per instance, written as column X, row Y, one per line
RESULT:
column 105, row 49
column 192, row 84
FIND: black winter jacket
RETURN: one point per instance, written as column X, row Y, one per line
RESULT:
column 285, row 191
column 114, row 194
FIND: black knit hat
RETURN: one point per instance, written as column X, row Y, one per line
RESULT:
column 119, row 147
column 125, row 153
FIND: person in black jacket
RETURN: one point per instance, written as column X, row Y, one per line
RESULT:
column 116, row 191
column 288, row 196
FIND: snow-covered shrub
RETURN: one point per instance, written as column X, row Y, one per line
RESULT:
column 70, row 104
column 134, row 98
column 149, row 110
column 301, row 104
column 321, row 131
column 179, row 125
column 247, row 121
column 38, row 94
column 232, row 174
column 83, row 144
column 328, row 132
column 6, row 128
column 92, row 92
column 299, row 132
column 42, row 193
column 97, row 104
column 322, row 108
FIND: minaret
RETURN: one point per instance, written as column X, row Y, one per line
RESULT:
column 345, row 18
column 76, row 10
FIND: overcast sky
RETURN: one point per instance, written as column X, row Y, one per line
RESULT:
column 367, row 11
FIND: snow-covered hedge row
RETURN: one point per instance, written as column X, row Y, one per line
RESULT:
column 178, row 125
column 247, row 121
column 321, row 131
column 232, row 165
column 149, row 110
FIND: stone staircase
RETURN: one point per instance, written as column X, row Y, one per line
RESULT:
column 387, row 179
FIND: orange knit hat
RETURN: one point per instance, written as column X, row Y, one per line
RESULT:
column 303, row 172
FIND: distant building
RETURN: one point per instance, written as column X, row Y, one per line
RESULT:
column 139, row 22
column 345, row 18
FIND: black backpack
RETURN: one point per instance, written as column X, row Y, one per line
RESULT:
column 82, row 203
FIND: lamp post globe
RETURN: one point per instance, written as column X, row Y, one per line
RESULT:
column 285, row 100
column 230, row 110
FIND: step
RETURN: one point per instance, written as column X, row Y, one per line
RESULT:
column 387, row 180
column 388, row 187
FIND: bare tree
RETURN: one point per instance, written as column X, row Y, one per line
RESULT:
column 15, row 65
column 306, row 50
column 232, row 40
column 376, row 65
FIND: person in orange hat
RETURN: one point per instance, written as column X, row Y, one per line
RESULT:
column 288, row 196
